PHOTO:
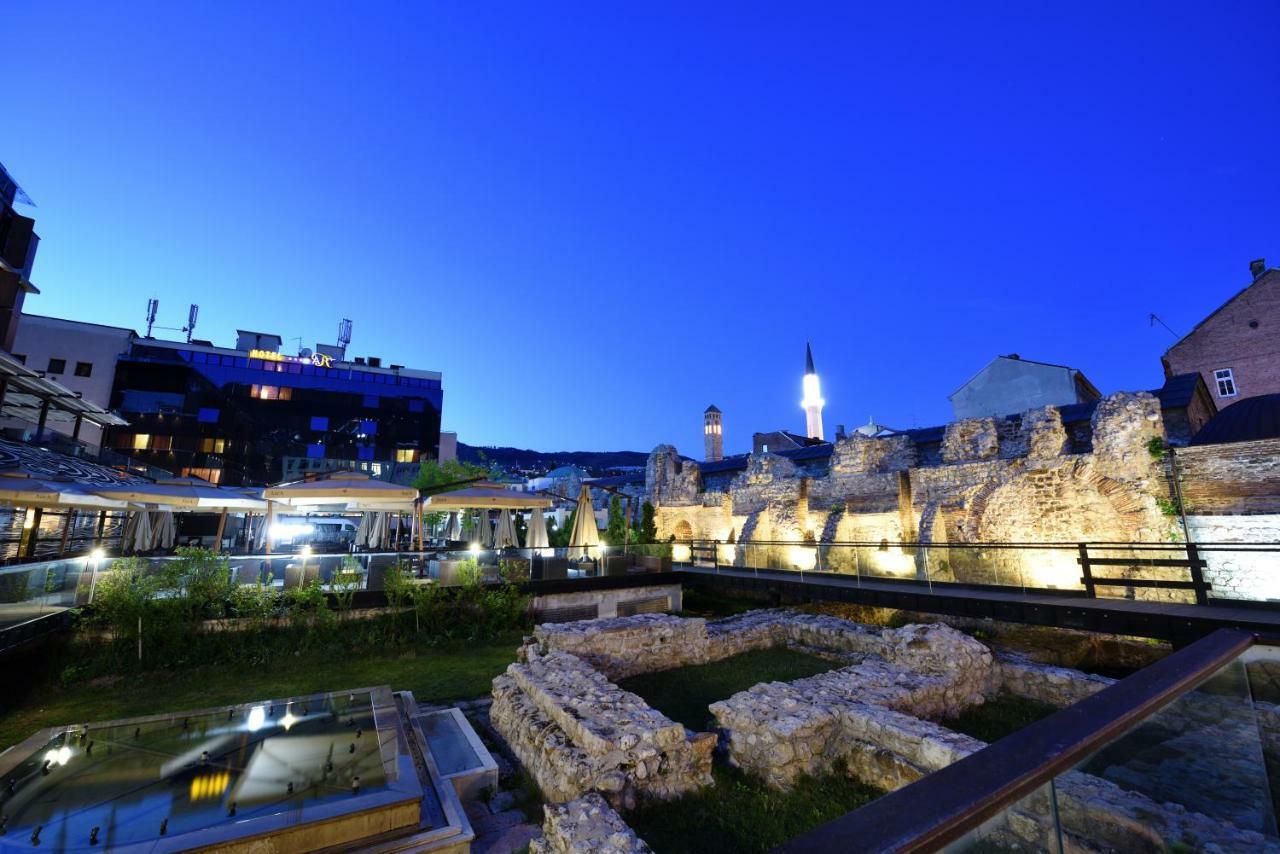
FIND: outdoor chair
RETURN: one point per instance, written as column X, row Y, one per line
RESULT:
column 554, row 568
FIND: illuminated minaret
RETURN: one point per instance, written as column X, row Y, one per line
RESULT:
column 712, row 434
column 812, row 403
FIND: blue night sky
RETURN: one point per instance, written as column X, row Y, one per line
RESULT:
column 596, row 223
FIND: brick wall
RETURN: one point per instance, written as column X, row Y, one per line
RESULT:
column 1227, row 340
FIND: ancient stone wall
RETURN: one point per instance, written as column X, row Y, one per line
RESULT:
column 1245, row 573
column 1242, row 477
column 576, row 732
column 587, row 824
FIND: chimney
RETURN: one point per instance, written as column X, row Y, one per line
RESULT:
column 1258, row 267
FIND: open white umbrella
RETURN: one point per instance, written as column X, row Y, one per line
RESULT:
column 536, row 536
column 164, row 531
column 505, row 534
column 585, row 533
column 347, row 489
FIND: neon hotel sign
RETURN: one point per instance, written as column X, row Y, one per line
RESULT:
column 320, row 360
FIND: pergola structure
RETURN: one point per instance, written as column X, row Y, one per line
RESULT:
column 29, row 396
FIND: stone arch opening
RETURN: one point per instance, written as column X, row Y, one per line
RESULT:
column 683, row 530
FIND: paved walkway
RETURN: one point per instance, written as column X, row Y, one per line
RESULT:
column 1068, row 609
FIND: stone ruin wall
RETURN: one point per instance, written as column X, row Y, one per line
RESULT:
column 878, row 713
column 1000, row 480
column 587, row 824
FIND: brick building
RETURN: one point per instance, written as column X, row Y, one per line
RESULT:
column 1236, row 348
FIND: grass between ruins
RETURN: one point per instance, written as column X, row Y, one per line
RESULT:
column 440, row 674
column 740, row 813
column 684, row 693
column 999, row 716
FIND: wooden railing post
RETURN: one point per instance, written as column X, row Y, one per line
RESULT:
column 1087, row 571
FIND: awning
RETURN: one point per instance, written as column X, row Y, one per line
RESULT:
column 21, row 490
column 484, row 496
column 351, row 492
column 187, row 494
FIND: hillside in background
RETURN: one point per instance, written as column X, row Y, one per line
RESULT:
column 521, row 461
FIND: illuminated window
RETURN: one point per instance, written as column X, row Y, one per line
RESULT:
column 1226, row 382
column 141, row 441
column 213, row 446
column 271, row 392
column 210, row 474
column 162, row 443
column 406, row 455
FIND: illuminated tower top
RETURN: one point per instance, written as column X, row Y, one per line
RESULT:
column 712, row 434
column 813, row 402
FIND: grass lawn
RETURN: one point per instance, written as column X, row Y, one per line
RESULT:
column 740, row 813
column 437, row 675
column 684, row 693
column 998, row 717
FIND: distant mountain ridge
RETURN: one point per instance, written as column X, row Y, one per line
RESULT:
column 526, row 462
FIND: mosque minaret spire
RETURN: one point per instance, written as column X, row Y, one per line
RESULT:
column 813, row 402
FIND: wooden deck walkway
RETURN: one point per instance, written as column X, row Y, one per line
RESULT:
column 1180, row 623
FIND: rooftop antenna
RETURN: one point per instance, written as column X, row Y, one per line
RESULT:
column 191, row 321
column 344, row 335
column 1154, row 320
column 153, row 305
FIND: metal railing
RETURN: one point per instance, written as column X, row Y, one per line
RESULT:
column 1019, row 781
column 1169, row 572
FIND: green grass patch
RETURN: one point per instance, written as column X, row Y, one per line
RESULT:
column 741, row 814
column 703, row 603
column 444, row 673
column 998, row 717
column 684, row 693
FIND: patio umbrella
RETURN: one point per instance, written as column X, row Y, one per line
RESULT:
column 505, row 534
column 362, row 531
column 350, row 490
column 453, row 530
column 164, row 531
column 484, row 533
column 20, row 489
column 137, row 532
column 260, row 533
column 377, row 530
column 585, row 533
column 536, row 536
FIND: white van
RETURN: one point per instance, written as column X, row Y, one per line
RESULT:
column 322, row 533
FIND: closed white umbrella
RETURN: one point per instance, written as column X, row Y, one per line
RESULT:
column 164, row 531
column 260, row 533
column 484, row 533
column 505, row 535
column 362, row 530
column 585, row 533
column 536, row 536
column 453, row 530
column 138, row 531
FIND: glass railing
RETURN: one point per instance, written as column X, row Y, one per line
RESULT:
column 1182, row 755
column 1165, row 572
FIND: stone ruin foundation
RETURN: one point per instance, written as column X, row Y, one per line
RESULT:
column 876, row 712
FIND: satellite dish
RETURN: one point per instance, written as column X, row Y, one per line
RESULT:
column 305, row 353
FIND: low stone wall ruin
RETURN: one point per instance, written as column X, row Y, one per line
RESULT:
column 881, row 710
column 588, row 824
column 576, row 732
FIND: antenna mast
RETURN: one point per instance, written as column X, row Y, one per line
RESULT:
column 153, row 305
column 191, row 321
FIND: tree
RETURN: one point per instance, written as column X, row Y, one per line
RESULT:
column 615, row 533
column 647, row 529
column 433, row 475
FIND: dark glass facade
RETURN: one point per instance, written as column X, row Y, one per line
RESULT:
column 237, row 420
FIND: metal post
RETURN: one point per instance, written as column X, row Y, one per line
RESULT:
column 271, row 520
column 1087, row 571
column 1197, row 573
column 102, row 524
column 44, row 416
column 75, row 431
column 66, row 531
